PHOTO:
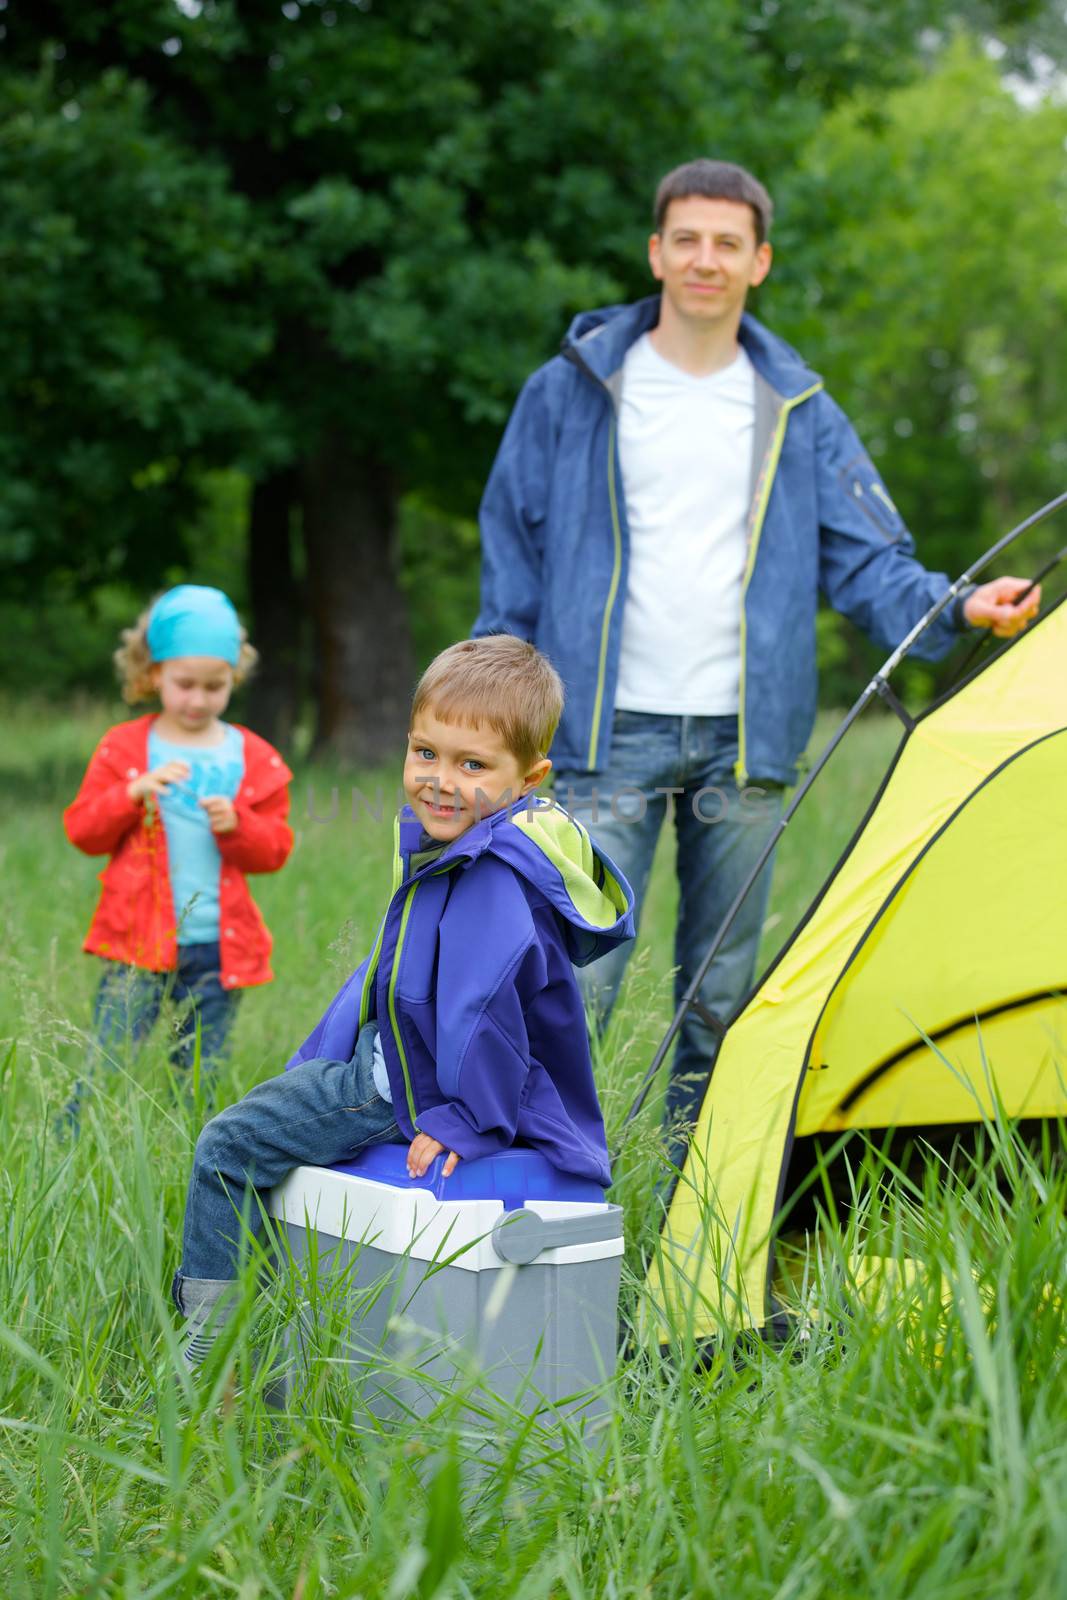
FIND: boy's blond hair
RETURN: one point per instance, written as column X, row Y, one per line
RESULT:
column 499, row 681
column 133, row 661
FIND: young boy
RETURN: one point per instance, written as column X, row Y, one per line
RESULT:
column 463, row 1031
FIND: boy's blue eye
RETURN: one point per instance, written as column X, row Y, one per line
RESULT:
column 474, row 765
column 425, row 754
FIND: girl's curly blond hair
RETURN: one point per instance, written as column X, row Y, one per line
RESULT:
column 134, row 664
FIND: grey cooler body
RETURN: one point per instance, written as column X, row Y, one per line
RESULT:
column 423, row 1299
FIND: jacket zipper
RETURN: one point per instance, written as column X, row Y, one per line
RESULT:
column 613, row 589
column 770, row 472
column 572, row 355
column 428, row 872
column 409, row 1095
column 372, row 964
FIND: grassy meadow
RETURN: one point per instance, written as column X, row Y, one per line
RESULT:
column 907, row 1444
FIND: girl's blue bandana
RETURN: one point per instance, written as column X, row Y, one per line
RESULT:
column 192, row 620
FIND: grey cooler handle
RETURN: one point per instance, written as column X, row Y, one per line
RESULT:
column 520, row 1236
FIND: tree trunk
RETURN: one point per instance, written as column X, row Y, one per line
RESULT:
column 277, row 610
column 363, row 661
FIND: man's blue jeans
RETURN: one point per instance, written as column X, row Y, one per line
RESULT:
column 720, row 834
column 320, row 1112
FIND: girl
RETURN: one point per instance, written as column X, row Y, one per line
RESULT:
column 184, row 804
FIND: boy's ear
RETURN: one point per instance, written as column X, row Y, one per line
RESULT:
column 536, row 775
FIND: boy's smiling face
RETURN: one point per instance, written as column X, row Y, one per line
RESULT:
column 458, row 772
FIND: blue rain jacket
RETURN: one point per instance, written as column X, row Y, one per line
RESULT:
column 555, row 544
column 471, row 982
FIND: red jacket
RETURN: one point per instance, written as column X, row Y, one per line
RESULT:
column 134, row 920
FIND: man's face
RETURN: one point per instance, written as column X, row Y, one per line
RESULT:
column 707, row 258
column 458, row 772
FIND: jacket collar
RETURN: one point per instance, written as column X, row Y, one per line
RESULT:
column 129, row 739
column 599, row 340
column 411, row 840
column 127, row 742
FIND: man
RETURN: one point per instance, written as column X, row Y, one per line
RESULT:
column 671, row 494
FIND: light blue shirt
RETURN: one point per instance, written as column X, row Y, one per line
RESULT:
column 192, row 854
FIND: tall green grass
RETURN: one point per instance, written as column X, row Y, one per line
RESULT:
column 908, row 1439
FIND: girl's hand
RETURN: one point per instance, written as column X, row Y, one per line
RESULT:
column 422, row 1150
column 220, row 813
column 158, row 781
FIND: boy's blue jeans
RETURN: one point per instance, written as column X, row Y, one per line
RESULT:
column 720, row 833
column 319, row 1113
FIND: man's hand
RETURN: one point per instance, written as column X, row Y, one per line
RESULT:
column 422, row 1150
column 158, row 781
column 992, row 605
column 220, row 813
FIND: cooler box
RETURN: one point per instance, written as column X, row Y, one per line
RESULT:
column 503, row 1278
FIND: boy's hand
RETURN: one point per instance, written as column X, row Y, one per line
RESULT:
column 220, row 813
column 422, row 1150
column 158, row 781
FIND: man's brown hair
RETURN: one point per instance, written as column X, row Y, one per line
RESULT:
column 715, row 180
column 501, row 682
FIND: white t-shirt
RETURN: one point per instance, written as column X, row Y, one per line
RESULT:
column 685, row 449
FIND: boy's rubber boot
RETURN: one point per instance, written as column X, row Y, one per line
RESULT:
column 207, row 1304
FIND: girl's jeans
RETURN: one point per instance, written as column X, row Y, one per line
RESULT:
column 127, row 1007
column 129, row 1000
column 319, row 1113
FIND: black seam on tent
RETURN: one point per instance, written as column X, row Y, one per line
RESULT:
column 820, row 894
column 919, row 1045
column 990, row 660
column 822, row 891
column 670, row 1188
column 787, row 1148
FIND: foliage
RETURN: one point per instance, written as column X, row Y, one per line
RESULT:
column 941, row 310
column 126, row 336
column 63, row 643
column 438, row 560
column 254, row 235
column 907, row 1443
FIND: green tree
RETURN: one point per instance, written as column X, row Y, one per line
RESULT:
column 372, row 218
column 118, row 250
column 942, row 307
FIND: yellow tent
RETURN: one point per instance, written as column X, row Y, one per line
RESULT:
column 946, row 918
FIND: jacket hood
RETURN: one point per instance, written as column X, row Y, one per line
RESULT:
column 598, row 341
column 544, row 845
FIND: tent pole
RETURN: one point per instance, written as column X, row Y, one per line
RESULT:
column 1039, row 576
column 690, row 998
column 877, row 686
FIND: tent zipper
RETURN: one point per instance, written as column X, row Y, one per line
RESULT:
column 376, row 950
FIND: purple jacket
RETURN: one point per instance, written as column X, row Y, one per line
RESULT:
column 471, row 983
